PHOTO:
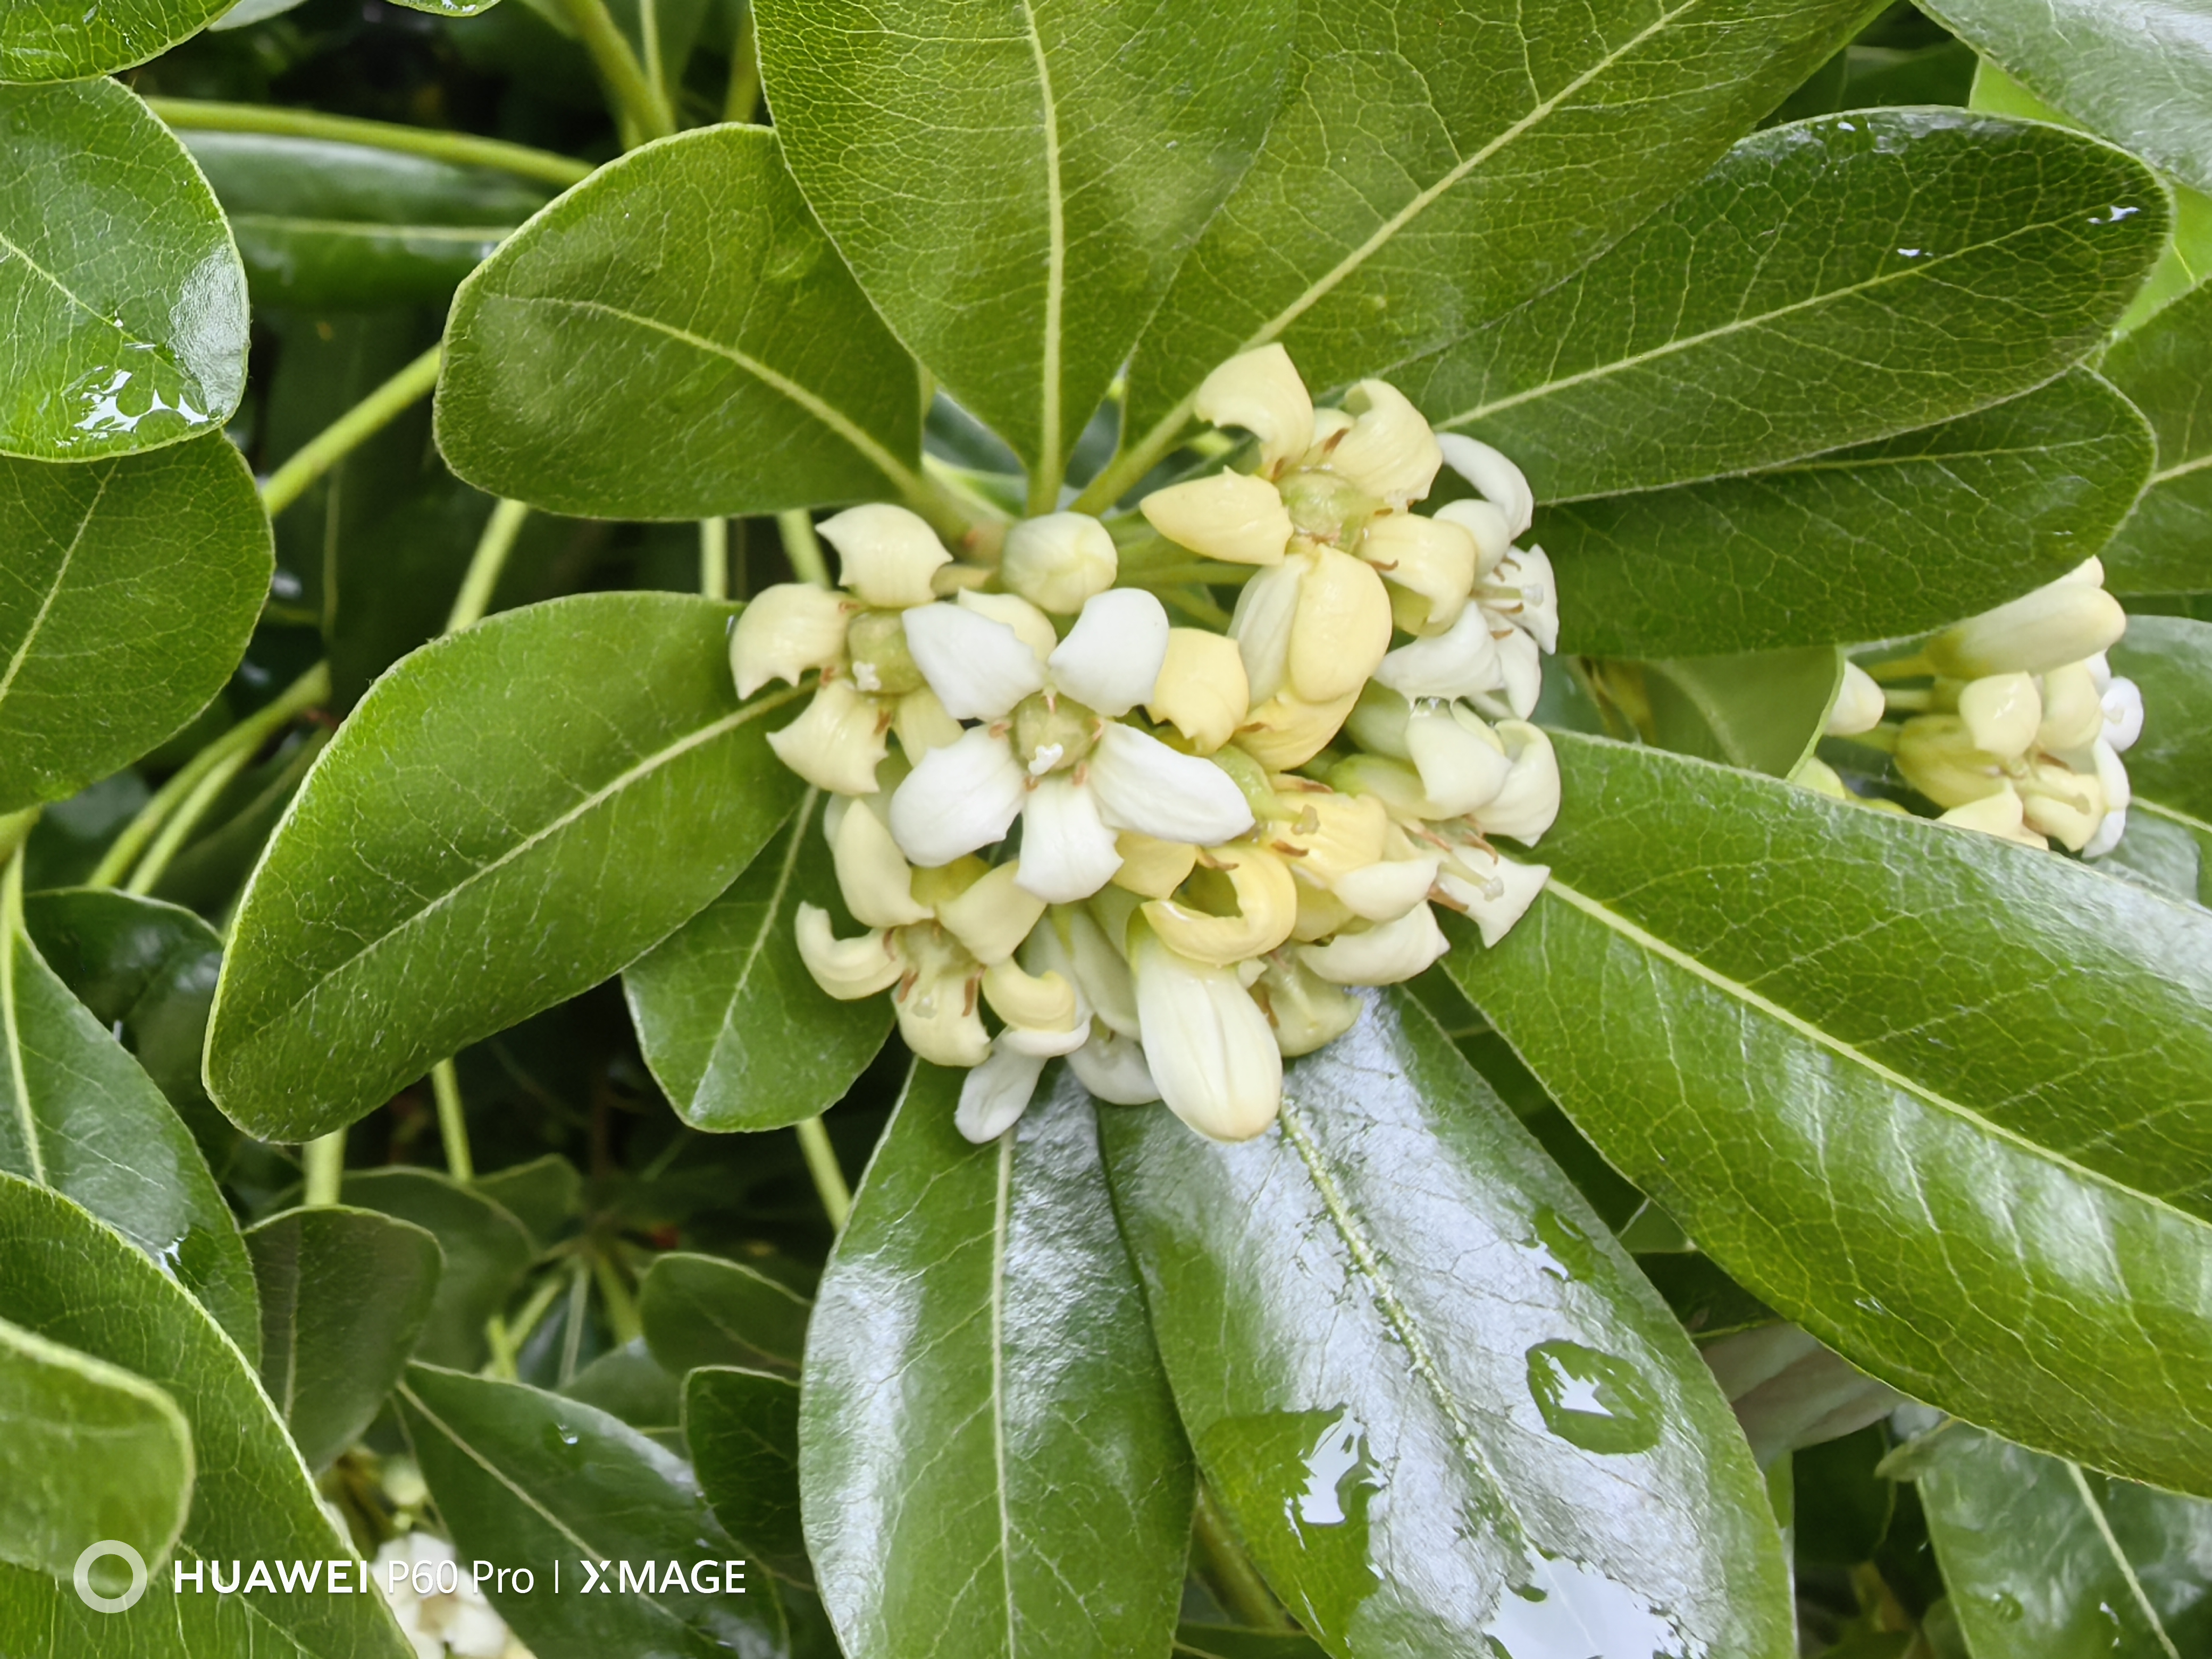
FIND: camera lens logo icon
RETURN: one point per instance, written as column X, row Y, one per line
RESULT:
column 82, row 1578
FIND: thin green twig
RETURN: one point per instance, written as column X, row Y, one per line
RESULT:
column 185, row 819
column 1228, row 1572
column 324, row 1158
column 822, row 1164
column 803, row 547
column 642, row 102
column 453, row 1122
column 485, row 565
column 350, row 430
column 714, row 558
column 742, row 102
column 200, row 115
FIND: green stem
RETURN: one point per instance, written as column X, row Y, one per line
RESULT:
column 640, row 101
column 1228, row 1572
column 622, row 1306
column 185, row 820
column 485, row 565
column 1902, row 668
column 714, row 558
column 1883, row 737
column 16, row 829
column 742, row 99
column 324, row 1156
column 803, row 547
column 194, row 114
column 247, row 736
column 822, row 1164
column 1132, row 462
column 351, row 429
column 507, row 1339
column 452, row 1123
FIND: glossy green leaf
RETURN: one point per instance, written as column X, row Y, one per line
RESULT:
column 485, row 1253
column 130, row 588
column 1892, row 538
column 2166, row 367
column 743, row 1428
column 731, row 365
column 1016, row 184
column 523, row 1476
column 2170, row 768
column 510, row 815
column 1920, row 263
column 629, row 1384
column 1427, row 174
column 2045, row 1559
column 702, row 1310
column 125, row 299
column 77, row 1114
column 1445, row 1413
column 955, row 1502
column 1841, row 1007
column 1763, row 711
column 68, row 41
column 344, row 1294
column 1228, row 1642
column 2139, row 71
column 72, row 1281
column 91, row 1452
column 738, row 1034
column 321, row 223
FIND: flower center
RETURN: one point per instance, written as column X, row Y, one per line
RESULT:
column 1051, row 733
column 882, row 664
column 1327, row 507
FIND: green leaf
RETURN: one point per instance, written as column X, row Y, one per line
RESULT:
column 1425, row 1383
column 955, row 1502
column 2166, row 367
column 129, row 589
column 125, row 299
column 1828, row 283
column 2139, row 71
column 321, row 223
column 91, row 1452
column 1228, row 1642
column 1889, row 539
column 1016, row 184
column 68, row 41
column 738, row 1034
column 702, row 1310
column 77, row 1114
column 551, row 793
column 733, row 366
column 543, row 1194
column 629, row 1384
column 1763, row 711
column 2045, row 1559
column 344, row 1294
column 485, row 1251
column 72, row 1281
column 743, row 1427
column 1825, row 1050
column 1423, row 177
column 2170, row 767
column 524, row 1476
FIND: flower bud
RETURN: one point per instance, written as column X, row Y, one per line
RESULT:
column 1820, row 778
column 994, row 1095
column 1058, row 560
column 1037, row 1002
column 1939, row 760
column 871, row 874
column 2001, row 713
column 1306, row 1012
column 1266, row 906
column 1266, row 610
column 1228, row 516
column 1150, row 866
column 2073, row 712
column 1389, row 452
column 1859, row 704
column 1383, row 953
column 1286, row 731
column 1461, row 762
column 1261, row 391
column 786, row 630
column 1499, row 482
column 1210, row 1048
column 836, row 742
column 1494, row 892
column 2069, row 619
column 2064, row 804
column 1112, row 1067
column 2123, row 714
column 1528, row 803
column 1432, row 560
column 846, row 969
column 993, row 917
column 886, row 554
column 1202, row 689
column 1995, row 814
column 1340, row 629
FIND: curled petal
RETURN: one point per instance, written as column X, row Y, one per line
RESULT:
column 1067, row 853
column 846, row 969
column 1202, row 689
column 1527, row 571
column 1112, row 1066
column 1111, row 657
column 886, row 554
column 1141, row 784
column 978, row 667
column 1152, row 866
column 1340, row 629
column 1462, row 661
column 1267, row 905
column 1432, row 558
column 1389, row 453
column 1286, row 731
column 1528, row 804
column 836, row 742
column 959, row 798
column 1385, row 891
column 1266, row 611
column 871, row 874
column 994, row 1095
column 1499, row 480
column 1494, row 892
column 993, row 917
column 939, row 1028
column 1493, row 530
column 1210, row 1048
column 1461, row 762
column 1037, row 1002
column 1261, row 390
column 1071, row 943
column 1521, row 664
column 1385, row 953
column 1228, row 516
column 785, row 631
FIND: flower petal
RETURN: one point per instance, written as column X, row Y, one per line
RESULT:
column 846, row 969
column 1461, row 762
column 994, row 1095
column 1228, row 516
column 1385, row 953
column 1100, row 977
column 1528, row 804
column 1111, row 657
column 1261, row 623
column 1058, row 560
column 886, row 554
column 1500, row 893
column 1497, row 478
column 1529, row 570
column 1261, row 390
column 1209, row 1047
column 993, row 917
column 1112, row 1066
column 871, row 874
column 1460, row 662
column 2124, row 713
column 1385, row 891
column 836, row 742
column 962, row 797
column 1030, row 625
column 978, row 668
column 1142, row 784
column 1067, row 853
column 786, row 630
column 1267, row 907
column 1202, row 689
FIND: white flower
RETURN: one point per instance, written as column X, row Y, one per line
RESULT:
column 1389, row 450
column 1207, row 1044
column 1262, row 391
column 1497, row 478
column 886, row 554
column 1058, row 560
column 1381, row 953
column 1054, row 752
column 1494, row 892
column 437, row 1622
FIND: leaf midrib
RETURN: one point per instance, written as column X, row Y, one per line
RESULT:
column 372, row 228
column 634, row 775
column 1048, row 459
column 9, row 245
column 53, row 589
column 1853, row 1055
column 767, row 928
column 2119, row 1557
column 1000, row 1204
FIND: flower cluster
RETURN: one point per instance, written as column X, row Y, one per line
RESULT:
column 2019, row 729
column 1165, row 851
